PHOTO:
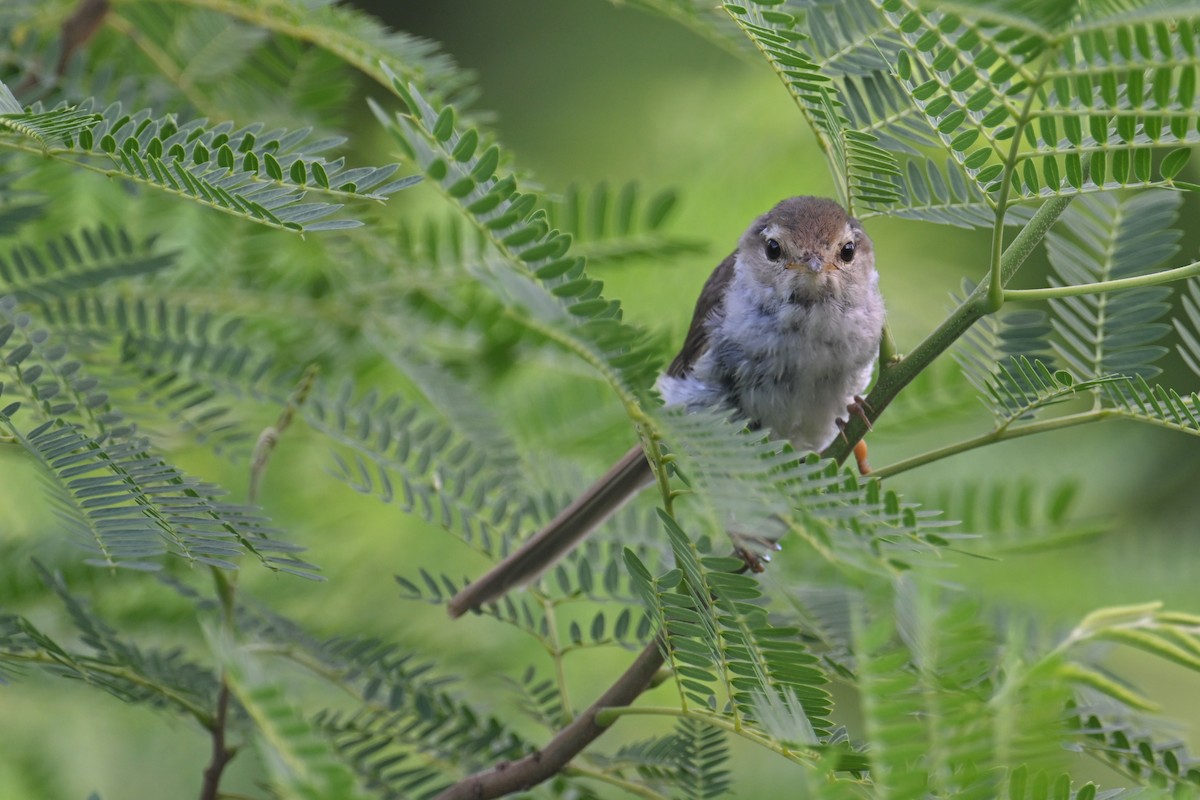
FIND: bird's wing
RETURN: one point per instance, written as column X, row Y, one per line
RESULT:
column 709, row 305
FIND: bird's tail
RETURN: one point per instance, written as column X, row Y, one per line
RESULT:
column 625, row 479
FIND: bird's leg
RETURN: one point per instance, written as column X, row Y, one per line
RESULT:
column 754, row 562
column 860, row 456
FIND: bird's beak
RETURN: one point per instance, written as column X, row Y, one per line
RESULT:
column 813, row 263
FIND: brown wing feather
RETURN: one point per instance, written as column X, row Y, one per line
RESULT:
column 710, row 304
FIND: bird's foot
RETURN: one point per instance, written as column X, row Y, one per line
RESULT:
column 755, row 562
column 858, row 407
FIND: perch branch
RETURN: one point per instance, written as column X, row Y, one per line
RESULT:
column 893, row 379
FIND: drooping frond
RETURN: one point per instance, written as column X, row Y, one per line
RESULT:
column 410, row 723
column 389, row 448
column 224, row 66
column 865, row 172
column 301, row 761
column 757, row 490
column 356, row 38
column 163, row 358
column 255, row 174
column 129, row 507
column 1106, row 237
column 720, row 643
column 1115, row 737
column 164, row 679
column 536, row 272
column 910, row 662
column 77, row 262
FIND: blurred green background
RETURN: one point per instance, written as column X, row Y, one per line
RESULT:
column 591, row 91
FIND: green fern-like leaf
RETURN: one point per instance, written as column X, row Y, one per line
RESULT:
column 1104, row 238
column 356, row 38
column 77, row 262
column 391, row 449
column 126, row 504
column 130, row 507
column 300, row 759
column 910, row 663
column 700, row 753
column 725, row 644
column 539, row 275
column 255, row 174
column 1189, row 330
column 757, row 490
column 1134, row 750
column 1037, row 101
column 105, row 658
column 612, row 226
column 1021, row 516
column 866, row 173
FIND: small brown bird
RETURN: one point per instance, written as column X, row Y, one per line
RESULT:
column 785, row 334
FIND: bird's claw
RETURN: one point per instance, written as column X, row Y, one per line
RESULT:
column 755, row 562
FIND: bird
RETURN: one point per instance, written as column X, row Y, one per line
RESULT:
column 785, row 335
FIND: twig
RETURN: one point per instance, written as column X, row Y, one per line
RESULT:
column 269, row 438
column 538, row 766
column 221, row 755
column 76, row 30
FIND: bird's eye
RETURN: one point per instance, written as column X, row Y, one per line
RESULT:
column 773, row 250
column 847, row 253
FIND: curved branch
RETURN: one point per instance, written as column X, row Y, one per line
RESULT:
column 540, row 765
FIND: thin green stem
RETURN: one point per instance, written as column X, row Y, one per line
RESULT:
column 554, row 648
column 210, row 787
column 635, row 789
column 1153, row 279
column 991, row 437
column 995, row 290
column 607, row 716
column 888, row 354
column 201, row 715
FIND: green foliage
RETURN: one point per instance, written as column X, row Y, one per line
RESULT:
column 140, row 332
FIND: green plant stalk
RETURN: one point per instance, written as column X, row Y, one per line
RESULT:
column 997, row 279
column 607, row 716
column 893, row 378
column 554, row 648
column 992, row 437
column 635, row 789
column 201, row 715
column 1153, row 279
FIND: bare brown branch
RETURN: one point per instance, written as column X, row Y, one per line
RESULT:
column 536, row 767
column 221, row 755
